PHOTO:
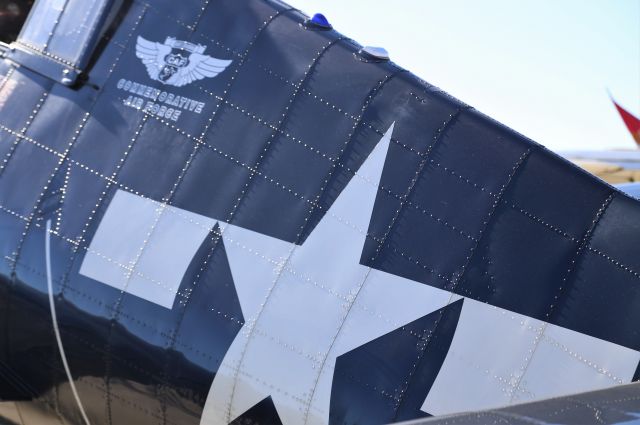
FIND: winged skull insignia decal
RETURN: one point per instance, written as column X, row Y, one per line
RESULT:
column 176, row 62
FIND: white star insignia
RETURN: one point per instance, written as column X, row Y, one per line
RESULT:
column 306, row 305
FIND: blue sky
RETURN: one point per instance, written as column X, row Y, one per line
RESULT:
column 542, row 67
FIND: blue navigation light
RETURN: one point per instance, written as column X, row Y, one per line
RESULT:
column 319, row 22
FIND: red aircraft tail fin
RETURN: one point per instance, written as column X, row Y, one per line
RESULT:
column 632, row 123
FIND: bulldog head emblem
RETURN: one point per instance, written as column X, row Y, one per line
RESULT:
column 176, row 62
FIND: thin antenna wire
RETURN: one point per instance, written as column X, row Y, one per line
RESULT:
column 54, row 319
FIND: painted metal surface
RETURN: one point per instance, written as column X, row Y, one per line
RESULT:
column 613, row 406
column 59, row 37
column 631, row 189
column 291, row 234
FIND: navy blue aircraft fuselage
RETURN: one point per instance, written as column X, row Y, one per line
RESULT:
column 226, row 212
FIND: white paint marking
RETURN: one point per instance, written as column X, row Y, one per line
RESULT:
column 492, row 362
column 168, row 237
column 299, row 322
column 54, row 319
